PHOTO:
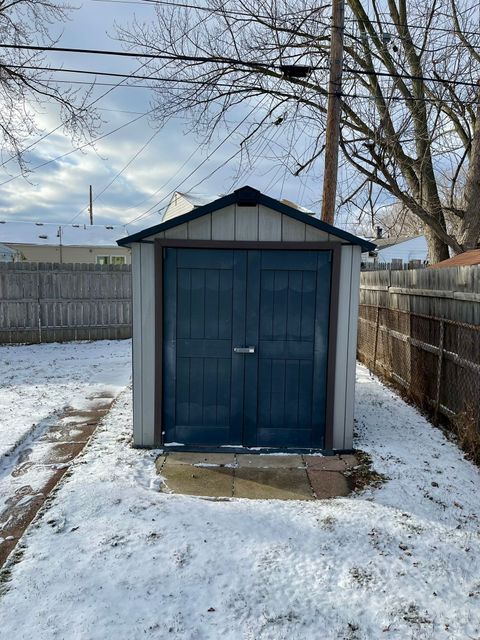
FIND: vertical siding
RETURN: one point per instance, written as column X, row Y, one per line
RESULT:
column 346, row 346
column 269, row 225
column 352, row 347
column 223, row 224
column 137, row 342
column 246, row 223
column 256, row 223
column 143, row 257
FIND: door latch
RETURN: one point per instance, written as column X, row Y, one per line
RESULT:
column 244, row 349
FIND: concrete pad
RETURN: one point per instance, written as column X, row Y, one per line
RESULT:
column 325, row 463
column 328, row 484
column 181, row 458
column 214, row 482
column 272, row 484
column 291, row 461
column 159, row 462
column 350, row 460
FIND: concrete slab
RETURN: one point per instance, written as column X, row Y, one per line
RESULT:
column 350, row 460
column 181, row 458
column 214, row 482
column 159, row 462
column 247, row 460
column 328, row 484
column 326, row 463
column 273, row 484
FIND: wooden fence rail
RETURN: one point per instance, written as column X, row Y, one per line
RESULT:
column 49, row 302
column 421, row 331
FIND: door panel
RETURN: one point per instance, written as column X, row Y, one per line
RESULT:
column 276, row 301
column 199, row 328
column 285, row 383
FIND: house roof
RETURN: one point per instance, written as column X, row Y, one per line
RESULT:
column 247, row 196
column 7, row 251
column 384, row 243
column 466, row 259
column 49, row 233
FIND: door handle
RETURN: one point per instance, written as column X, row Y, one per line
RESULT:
column 244, row 349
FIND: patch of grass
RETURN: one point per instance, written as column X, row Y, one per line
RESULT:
column 364, row 475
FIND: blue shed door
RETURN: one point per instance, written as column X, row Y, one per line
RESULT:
column 220, row 302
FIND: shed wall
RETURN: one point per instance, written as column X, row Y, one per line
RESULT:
column 143, row 331
column 345, row 361
column 256, row 223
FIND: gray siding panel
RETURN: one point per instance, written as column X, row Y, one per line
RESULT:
column 148, row 343
column 223, row 224
column 143, row 260
column 341, row 360
column 246, row 223
column 137, row 343
column 352, row 346
column 269, row 225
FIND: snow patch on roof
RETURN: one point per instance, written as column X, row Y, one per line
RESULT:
column 49, row 233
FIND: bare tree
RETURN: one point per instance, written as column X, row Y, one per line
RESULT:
column 26, row 85
column 410, row 95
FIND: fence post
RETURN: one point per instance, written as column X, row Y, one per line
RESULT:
column 377, row 324
column 439, row 371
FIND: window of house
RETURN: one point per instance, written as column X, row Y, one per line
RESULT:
column 102, row 260
column 118, row 260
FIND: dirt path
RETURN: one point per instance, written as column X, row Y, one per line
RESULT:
column 31, row 472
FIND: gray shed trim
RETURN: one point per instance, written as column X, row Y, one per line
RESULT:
column 249, row 198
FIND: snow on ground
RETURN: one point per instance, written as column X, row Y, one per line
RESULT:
column 115, row 559
column 38, row 381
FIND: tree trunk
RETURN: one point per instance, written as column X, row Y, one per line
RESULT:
column 437, row 249
column 469, row 235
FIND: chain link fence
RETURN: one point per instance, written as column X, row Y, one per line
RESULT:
column 434, row 361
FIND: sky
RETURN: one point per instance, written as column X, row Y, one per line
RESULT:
column 159, row 160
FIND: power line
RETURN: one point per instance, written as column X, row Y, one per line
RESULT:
column 259, row 66
column 125, row 167
column 199, row 166
column 87, row 144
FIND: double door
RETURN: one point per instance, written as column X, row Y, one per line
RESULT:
column 245, row 346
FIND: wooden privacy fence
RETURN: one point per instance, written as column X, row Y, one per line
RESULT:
column 49, row 302
column 421, row 331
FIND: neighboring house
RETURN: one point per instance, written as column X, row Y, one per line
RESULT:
column 467, row 259
column 7, row 254
column 398, row 252
column 181, row 203
column 65, row 243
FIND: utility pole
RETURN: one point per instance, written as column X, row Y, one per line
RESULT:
column 334, row 111
column 90, row 208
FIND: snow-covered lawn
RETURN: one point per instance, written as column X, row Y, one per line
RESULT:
column 114, row 559
column 38, row 381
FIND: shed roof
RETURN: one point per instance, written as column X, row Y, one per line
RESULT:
column 466, row 259
column 247, row 196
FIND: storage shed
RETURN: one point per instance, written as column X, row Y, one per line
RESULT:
column 244, row 328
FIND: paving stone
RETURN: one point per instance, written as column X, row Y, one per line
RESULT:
column 273, row 484
column 247, row 460
column 328, row 484
column 326, row 463
column 186, row 458
column 350, row 460
column 213, row 482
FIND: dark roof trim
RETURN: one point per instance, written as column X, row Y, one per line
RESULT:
column 247, row 196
